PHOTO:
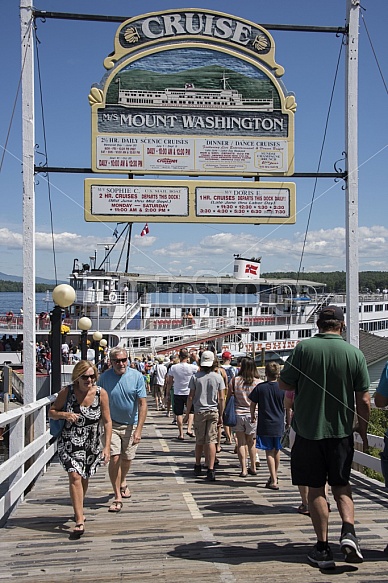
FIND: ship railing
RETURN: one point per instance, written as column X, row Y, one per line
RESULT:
column 31, row 448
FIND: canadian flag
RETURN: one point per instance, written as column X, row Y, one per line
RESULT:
column 145, row 230
column 249, row 268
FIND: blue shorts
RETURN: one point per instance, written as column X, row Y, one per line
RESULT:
column 267, row 442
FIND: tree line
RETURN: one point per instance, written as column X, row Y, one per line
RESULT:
column 369, row 281
column 17, row 286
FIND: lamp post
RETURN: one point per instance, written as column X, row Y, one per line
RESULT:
column 84, row 324
column 97, row 336
column 103, row 344
column 63, row 296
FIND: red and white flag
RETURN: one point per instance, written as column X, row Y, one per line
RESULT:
column 249, row 268
column 145, row 230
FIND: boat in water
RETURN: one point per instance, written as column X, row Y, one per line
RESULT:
column 241, row 312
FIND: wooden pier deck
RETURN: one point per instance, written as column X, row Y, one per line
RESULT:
column 177, row 527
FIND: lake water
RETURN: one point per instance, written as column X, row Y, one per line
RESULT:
column 13, row 301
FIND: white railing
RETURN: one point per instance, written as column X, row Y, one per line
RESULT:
column 29, row 451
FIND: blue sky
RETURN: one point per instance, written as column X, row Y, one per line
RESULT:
column 71, row 56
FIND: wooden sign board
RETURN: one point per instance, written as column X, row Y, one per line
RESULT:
column 192, row 92
column 190, row 201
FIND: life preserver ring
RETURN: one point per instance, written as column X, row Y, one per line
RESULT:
column 241, row 345
column 112, row 297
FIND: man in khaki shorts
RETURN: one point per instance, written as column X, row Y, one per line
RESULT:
column 128, row 407
column 207, row 397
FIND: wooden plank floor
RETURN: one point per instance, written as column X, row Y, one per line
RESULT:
column 180, row 528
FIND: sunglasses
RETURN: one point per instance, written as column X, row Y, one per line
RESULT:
column 119, row 360
column 86, row 377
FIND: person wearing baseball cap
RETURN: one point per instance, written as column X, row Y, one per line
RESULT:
column 207, row 397
column 331, row 383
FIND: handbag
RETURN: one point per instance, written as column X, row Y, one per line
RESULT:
column 56, row 425
column 285, row 438
column 229, row 416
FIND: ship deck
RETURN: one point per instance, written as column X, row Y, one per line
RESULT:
column 180, row 528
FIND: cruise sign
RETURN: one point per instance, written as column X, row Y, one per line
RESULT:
column 192, row 92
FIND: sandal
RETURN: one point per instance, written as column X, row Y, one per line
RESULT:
column 304, row 509
column 252, row 472
column 116, row 506
column 125, row 492
column 79, row 529
column 242, row 475
column 271, row 486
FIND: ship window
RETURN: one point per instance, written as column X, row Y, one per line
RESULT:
column 368, row 308
column 283, row 334
column 259, row 337
column 379, row 307
column 232, row 338
column 248, row 311
column 267, row 310
column 304, row 333
column 141, row 342
column 218, row 311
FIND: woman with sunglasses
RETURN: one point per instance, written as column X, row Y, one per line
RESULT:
column 83, row 405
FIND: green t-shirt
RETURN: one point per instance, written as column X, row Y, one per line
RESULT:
column 325, row 371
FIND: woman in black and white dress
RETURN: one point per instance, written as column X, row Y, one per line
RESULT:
column 82, row 405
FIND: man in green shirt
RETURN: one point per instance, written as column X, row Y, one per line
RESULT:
column 329, row 377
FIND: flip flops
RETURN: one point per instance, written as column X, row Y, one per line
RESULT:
column 125, row 492
column 271, row 486
column 116, row 506
column 304, row 509
column 79, row 529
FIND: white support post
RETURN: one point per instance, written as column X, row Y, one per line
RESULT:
column 28, row 134
column 352, row 265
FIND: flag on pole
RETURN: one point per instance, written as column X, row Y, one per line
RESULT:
column 145, row 230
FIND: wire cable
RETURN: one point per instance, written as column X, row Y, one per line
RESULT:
column 320, row 161
column 37, row 42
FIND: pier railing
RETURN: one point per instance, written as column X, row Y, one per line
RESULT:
column 30, row 450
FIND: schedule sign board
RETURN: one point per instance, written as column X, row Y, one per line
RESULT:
column 207, row 201
column 192, row 92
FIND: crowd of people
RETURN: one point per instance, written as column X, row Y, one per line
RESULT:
column 320, row 390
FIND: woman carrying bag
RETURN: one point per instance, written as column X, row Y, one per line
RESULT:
column 82, row 405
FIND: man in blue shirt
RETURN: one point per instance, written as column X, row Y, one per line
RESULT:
column 128, row 408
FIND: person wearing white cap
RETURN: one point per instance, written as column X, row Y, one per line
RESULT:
column 207, row 397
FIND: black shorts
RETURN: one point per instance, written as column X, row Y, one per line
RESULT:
column 315, row 462
column 180, row 402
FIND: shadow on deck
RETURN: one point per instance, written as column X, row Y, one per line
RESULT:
column 177, row 527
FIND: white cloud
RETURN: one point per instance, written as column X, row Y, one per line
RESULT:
column 324, row 250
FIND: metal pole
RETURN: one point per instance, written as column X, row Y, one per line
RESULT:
column 352, row 264
column 56, row 346
column 84, row 348
column 28, row 135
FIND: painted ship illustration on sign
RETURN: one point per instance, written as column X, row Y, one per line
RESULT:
column 191, row 97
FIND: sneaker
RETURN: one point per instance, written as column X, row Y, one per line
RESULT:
column 257, row 460
column 173, row 422
column 211, row 476
column 351, row 548
column 197, row 469
column 322, row 559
